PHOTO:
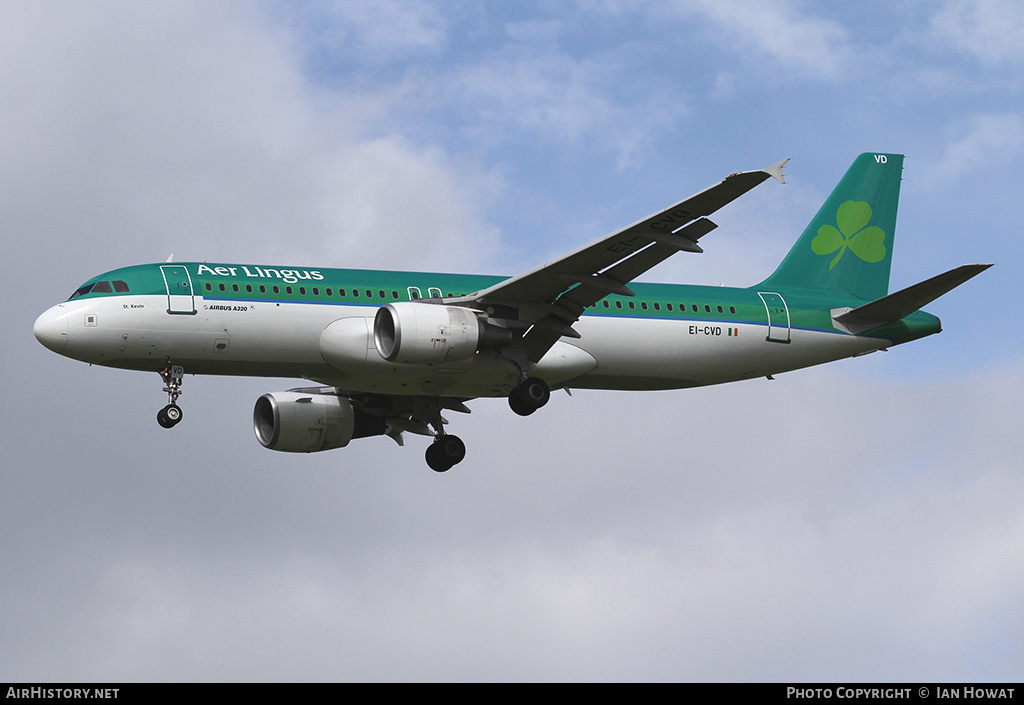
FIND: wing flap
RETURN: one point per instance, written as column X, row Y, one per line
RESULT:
column 686, row 239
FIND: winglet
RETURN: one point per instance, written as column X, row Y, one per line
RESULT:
column 776, row 171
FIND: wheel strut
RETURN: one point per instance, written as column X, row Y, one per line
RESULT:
column 171, row 415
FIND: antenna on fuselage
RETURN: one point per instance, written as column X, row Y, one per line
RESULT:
column 170, row 257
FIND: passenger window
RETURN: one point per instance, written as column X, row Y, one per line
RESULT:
column 414, row 293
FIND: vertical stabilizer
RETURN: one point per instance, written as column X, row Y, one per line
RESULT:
column 847, row 247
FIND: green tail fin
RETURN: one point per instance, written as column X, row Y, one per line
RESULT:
column 847, row 247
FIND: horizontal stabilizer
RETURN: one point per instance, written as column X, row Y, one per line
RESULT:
column 904, row 302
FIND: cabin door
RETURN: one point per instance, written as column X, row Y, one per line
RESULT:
column 180, row 299
column 778, row 317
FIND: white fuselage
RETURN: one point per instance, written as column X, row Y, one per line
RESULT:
column 306, row 340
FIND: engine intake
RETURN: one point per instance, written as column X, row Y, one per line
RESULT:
column 430, row 334
column 299, row 422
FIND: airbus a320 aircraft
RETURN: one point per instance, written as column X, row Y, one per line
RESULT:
column 397, row 349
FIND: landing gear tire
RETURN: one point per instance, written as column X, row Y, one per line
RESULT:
column 169, row 416
column 519, row 406
column 445, row 452
column 529, row 395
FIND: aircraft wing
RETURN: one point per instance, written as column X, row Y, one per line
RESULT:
column 550, row 298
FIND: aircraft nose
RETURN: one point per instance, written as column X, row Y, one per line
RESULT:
column 51, row 329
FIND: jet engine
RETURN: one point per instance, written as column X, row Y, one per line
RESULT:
column 301, row 422
column 431, row 334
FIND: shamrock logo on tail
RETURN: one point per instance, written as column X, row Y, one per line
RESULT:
column 851, row 217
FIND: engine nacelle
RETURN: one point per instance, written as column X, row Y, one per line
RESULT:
column 299, row 422
column 431, row 334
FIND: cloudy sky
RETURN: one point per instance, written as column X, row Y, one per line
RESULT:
column 861, row 521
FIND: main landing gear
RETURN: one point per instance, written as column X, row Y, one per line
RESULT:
column 529, row 395
column 170, row 415
column 447, row 450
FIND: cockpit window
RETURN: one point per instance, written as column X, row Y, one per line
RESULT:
column 118, row 285
column 82, row 291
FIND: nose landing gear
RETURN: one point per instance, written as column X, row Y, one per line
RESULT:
column 170, row 415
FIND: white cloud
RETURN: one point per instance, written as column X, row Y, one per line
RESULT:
column 375, row 32
column 990, row 30
column 563, row 100
column 191, row 130
column 822, row 526
column 532, row 85
column 985, row 141
column 779, row 29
